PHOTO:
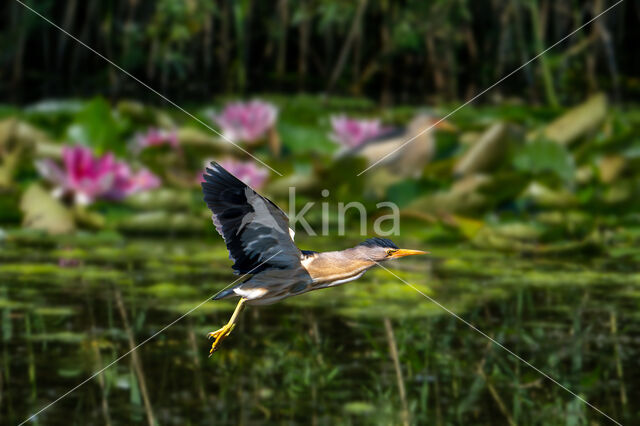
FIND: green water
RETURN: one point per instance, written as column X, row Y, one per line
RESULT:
column 320, row 358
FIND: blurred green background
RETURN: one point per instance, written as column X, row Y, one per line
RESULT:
column 528, row 200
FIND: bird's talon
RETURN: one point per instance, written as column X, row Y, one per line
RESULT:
column 213, row 349
column 224, row 331
column 219, row 336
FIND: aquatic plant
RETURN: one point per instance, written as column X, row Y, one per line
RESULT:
column 246, row 121
column 154, row 137
column 351, row 132
column 86, row 177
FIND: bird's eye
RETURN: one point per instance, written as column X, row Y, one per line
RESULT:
column 390, row 252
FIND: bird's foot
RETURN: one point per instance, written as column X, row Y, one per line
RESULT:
column 219, row 336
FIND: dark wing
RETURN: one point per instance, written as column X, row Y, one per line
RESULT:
column 252, row 226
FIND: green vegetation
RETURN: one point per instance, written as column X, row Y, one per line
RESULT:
column 323, row 355
column 533, row 239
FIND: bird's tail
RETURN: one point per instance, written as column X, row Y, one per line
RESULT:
column 224, row 294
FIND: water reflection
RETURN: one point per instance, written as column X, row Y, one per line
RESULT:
column 323, row 358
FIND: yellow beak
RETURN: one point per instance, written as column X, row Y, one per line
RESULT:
column 405, row 252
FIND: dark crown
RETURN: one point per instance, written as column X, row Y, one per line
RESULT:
column 378, row 242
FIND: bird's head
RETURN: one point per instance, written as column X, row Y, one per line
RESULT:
column 381, row 249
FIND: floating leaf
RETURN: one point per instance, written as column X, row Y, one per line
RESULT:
column 543, row 156
column 42, row 211
column 17, row 139
column 611, row 167
column 485, row 152
column 577, row 122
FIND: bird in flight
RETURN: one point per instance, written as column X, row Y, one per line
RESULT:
column 260, row 244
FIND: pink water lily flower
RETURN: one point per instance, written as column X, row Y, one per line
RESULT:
column 155, row 137
column 246, row 121
column 86, row 177
column 351, row 132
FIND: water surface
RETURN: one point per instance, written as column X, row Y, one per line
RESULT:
column 71, row 306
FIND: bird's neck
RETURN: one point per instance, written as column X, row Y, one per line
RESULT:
column 335, row 265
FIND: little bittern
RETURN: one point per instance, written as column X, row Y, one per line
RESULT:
column 260, row 243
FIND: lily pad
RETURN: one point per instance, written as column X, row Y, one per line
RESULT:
column 43, row 212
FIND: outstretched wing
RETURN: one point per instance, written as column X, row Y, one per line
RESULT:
column 252, row 226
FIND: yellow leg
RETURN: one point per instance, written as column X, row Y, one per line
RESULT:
column 220, row 335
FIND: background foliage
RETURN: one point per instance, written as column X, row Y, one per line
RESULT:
column 393, row 51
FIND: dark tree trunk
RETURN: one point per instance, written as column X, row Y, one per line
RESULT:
column 472, row 48
column 386, row 96
column 17, row 71
column 523, row 50
column 81, row 53
column 346, row 47
column 305, row 26
column 283, row 12
column 67, row 24
column 223, row 52
column 246, row 49
column 357, row 59
column 537, row 21
column 438, row 74
column 607, row 44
